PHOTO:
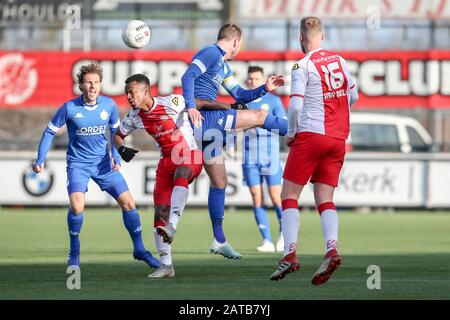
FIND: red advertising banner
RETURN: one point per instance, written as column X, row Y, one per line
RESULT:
column 400, row 79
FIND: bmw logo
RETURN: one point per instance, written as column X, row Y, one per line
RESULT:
column 37, row 184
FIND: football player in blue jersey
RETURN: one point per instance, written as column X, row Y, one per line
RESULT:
column 208, row 71
column 88, row 157
column 261, row 161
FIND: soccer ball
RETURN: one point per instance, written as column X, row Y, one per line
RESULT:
column 136, row 34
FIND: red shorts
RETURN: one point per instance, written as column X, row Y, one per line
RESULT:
column 165, row 175
column 315, row 156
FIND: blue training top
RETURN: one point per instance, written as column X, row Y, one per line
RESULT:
column 207, row 72
column 86, row 128
column 260, row 146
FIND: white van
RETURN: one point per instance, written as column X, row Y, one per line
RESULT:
column 387, row 133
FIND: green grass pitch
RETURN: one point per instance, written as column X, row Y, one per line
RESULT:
column 412, row 250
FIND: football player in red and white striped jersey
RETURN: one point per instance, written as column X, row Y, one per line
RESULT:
column 165, row 119
column 322, row 92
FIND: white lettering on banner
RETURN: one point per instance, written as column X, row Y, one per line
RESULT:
column 343, row 9
column 373, row 77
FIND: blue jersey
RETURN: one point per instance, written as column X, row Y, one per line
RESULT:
column 86, row 128
column 260, row 146
column 207, row 72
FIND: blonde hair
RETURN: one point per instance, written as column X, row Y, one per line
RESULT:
column 310, row 25
column 89, row 68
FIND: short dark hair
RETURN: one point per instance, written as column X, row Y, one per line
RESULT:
column 229, row 31
column 252, row 69
column 139, row 78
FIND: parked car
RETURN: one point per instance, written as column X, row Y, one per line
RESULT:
column 387, row 133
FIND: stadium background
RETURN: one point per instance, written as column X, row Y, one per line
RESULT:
column 398, row 52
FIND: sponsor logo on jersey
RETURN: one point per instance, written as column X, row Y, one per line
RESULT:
column 220, row 122
column 295, row 66
column 103, row 115
column 265, row 107
column 90, row 131
column 175, row 101
column 159, row 128
column 163, row 133
column 79, row 115
column 164, row 118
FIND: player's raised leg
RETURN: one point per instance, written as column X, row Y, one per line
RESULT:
column 178, row 202
column 323, row 194
column 290, row 221
column 247, row 119
column 215, row 168
column 75, row 222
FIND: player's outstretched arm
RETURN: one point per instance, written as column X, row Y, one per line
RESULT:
column 242, row 95
column 210, row 104
column 44, row 147
column 58, row 120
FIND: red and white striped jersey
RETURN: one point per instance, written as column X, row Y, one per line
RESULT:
column 322, row 92
column 167, row 122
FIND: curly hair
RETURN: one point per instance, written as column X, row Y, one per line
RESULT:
column 90, row 68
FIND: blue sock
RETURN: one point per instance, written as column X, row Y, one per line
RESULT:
column 272, row 122
column 132, row 222
column 279, row 213
column 74, row 222
column 263, row 223
column 216, row 207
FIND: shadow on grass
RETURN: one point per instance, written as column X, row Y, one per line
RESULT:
column 418, row 276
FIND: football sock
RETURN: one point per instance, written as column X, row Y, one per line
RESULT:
column 275, row 123
column 164, row 249
column 216, row 207
column 132, row 222
column 290, row 224
column 178, row 200
column 330, row 223
column 74, row 221
column 263, row 223
column 279, row 212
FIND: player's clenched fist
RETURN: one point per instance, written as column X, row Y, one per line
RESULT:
column 127, row 153
column 273, row 82
column 38, row 168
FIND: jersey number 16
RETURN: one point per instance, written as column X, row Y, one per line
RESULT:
column 333, row 76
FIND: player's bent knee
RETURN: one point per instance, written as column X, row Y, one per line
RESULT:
column 76, row 202
column 126, row 201
column 183, row 172
column 161, row 215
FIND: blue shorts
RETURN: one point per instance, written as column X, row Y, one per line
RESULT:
column 254, row 174
column 218, row 127
column 107, row 179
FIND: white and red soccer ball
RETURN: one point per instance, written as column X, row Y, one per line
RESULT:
column 136, row 34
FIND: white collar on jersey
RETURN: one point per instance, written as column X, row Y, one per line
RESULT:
column 89, row 107
column 312, row 51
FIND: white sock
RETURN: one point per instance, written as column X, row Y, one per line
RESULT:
column 164, row 249
column 330, row 222
column 177, row 204
column 290, row 224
